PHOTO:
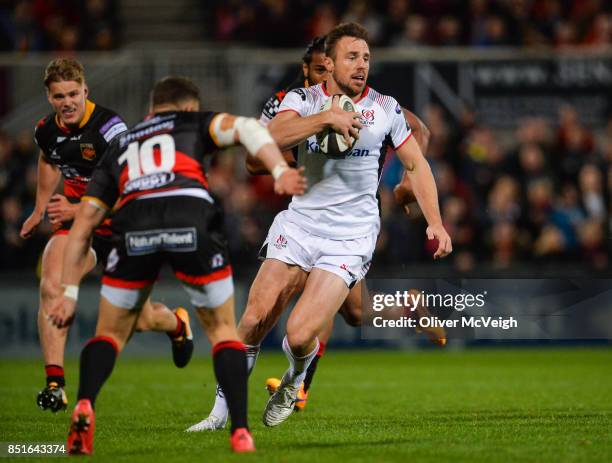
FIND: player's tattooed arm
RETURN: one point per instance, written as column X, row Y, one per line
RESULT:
column 426, row 193
column 49, row 177
column 88, row 217
column 227, row 130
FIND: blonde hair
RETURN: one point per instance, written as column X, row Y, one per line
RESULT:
column 64, row 69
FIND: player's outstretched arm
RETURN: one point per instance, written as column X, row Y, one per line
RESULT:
column 49, row 177
column 426, row 193
column 289, row 129
column 229, row 130
column 87, row 218
column 254, row 165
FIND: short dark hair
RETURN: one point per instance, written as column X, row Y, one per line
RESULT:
column 344, row 30
column 174, row 90
column 317, row 45
column 64, row 69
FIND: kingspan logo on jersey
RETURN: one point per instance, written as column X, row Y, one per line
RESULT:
column 171, row 239
column 313, row 147
column 149, row 182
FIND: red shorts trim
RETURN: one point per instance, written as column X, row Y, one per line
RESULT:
column 236, row 345
column 126, row 284
column 103, row 231
column 205, row 279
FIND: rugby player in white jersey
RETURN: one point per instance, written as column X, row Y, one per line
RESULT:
column 312, row 72
column 325, row 240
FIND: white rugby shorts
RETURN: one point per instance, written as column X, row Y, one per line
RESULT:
column 349, row 259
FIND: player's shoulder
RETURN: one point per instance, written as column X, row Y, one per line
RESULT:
column 271, row 106
column 194, row 120
column 308, row 94
column 46, row 132
column 388, row 103
column 45, row 127
column 107, row 122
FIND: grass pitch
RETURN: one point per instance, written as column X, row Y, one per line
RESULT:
column 522, row 405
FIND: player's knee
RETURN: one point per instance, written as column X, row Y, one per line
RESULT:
column 50, row 289
column 300, row 340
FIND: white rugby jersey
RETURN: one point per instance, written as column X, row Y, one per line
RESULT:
column 341, row 202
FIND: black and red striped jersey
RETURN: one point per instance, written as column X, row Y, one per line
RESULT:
column 271, row 106
column 161, row 156
column 77, row 151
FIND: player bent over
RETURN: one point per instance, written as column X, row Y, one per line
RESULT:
column 165, row 215
column 72, row 140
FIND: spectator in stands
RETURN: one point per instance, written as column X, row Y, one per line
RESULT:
column 448, row 31
column 590, row 181
column 363, row 12
column 414, row 34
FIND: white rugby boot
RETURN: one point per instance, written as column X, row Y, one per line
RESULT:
column 280, row 405
column 212, row 423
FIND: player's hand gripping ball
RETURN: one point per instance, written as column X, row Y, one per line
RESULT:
column 332, row 143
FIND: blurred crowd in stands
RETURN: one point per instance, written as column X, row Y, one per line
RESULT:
column 409, row 23
column 59, row 25
column 542, row 197
column 68, row 25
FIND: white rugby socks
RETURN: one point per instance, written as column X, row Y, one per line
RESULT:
column 298, row 365
column 251, row 354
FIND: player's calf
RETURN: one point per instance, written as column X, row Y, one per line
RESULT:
column 216, row 312
column 217, row 417
column 230, row 365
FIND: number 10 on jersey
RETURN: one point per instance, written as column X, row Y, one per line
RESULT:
column 141, row 159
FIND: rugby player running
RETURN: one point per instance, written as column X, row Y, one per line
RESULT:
column 312, row 72
column 155, row 172
column 327, row 236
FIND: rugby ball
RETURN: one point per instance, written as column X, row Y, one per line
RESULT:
column 332, row 143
